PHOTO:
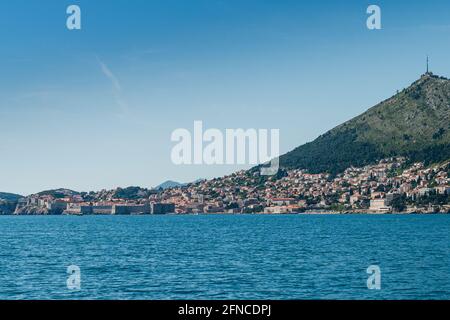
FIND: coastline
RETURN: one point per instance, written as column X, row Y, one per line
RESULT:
column 314, row 213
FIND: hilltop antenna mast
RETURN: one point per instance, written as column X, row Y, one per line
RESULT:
column 427, row 65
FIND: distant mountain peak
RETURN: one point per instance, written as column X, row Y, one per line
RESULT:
column 169, row 184
column 173, row 184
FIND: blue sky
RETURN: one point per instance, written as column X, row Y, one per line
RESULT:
column 95, row 108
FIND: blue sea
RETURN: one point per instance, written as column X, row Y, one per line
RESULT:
column 225, row 256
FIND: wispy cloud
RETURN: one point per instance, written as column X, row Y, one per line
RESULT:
column 117, row 88
column 108, row 73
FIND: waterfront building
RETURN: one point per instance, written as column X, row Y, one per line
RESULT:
column 131, row 209
column 162, row 208
column 56, row 206
column 282, row 209
column 379, row 205
column 281, row 201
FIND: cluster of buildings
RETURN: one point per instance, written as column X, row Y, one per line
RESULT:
column 388, row 186
column 120, row 208
column 76, row 205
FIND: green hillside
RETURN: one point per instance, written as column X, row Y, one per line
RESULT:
column 413, row 123
column 58, row 193
column 9, row 196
